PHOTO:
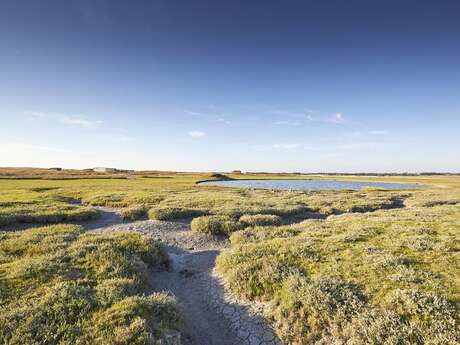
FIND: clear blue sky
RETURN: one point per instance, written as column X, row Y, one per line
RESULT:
column 221, row 85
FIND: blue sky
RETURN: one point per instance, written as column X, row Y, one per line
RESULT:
column 221, row 85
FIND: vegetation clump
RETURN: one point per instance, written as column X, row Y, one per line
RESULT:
column 361, row 267
column 59, row 285
column 173, row 213
column 260, row 219
column 388, row 276
column 215, row 225
column 135, row 212
column 33, row 207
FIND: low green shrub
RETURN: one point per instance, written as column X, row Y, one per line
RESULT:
column 215, row 225
column 262, row 233
column 135, row 212
column 260, row 219
column 136, row 320
column 172, row 213
column 53, row 213
column 303, row 306
column 435, row 317
column 60, row 285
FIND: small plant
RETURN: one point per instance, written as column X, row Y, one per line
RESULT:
column 172, row 213
column 135, row 212
column 215, row 225
column 260, row 219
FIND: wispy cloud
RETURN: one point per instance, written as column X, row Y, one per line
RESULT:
column 196, row 134
column 297, row 118
column 357, row 134
column 208, row 117
column 70, row 120
column 334, row 118
column 287, row 123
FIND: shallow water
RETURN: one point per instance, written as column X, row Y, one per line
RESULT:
column 308, row 184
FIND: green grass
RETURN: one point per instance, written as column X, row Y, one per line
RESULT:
column 173, row 213
column 215, row 225
column 374, row 267
column 59, row 285
column 40, row 205
column 389, row 276
column 260, row 219
column 171, row 197
column 135, row 212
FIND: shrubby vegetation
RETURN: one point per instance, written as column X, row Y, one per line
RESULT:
column 135, row 212
column 260, row 219
column 384, row 277
column 215, row 225
column 59, row 285
column 172, row 213
column 40, row 205
column 355, row 267
column 173, row 196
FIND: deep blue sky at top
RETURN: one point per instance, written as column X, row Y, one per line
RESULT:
column 218, row 85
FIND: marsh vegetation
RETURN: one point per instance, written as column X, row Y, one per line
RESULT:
column 370, row 266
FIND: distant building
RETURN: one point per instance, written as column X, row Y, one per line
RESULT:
column 105, row 170
column 237, row 172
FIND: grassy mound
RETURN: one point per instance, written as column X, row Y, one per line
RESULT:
column 215, row 225
column 260, row 219
column 59, row 285
column 32, row 207
column 133, row 213
column 172, row 213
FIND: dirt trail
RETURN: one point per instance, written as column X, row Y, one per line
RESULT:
column 207, row 320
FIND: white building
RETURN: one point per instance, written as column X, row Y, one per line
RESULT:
column 104, row 170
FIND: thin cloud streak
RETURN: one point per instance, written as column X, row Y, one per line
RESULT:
column 302, row 117
column 196, row 134
column 65, row 119
column 208, row 117
column 287, row 123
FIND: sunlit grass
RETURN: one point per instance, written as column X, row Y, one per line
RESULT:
column 59, row 285
column 389, row 276
column 355, row 267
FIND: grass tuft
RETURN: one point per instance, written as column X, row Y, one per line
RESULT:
column 260, row 220
column 173, row 213
column 135, row 212
column 215, row 225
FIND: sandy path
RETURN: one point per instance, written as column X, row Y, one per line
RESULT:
column 192, row 258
